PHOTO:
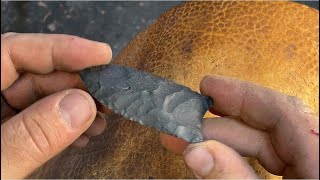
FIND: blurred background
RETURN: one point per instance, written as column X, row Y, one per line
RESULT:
column 114, row 22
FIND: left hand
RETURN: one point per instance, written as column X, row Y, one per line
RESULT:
column 40, row 114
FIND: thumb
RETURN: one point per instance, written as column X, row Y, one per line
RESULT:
column 211, row 159
column 44, row 129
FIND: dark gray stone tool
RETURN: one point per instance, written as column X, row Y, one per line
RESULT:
column 148, row 99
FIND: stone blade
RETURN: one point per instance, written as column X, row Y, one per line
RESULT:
column 148, row 99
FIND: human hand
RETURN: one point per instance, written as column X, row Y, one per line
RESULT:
column 279, row 130
column 37, row 74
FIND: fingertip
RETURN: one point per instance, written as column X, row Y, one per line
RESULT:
column 81, row 142
column 101, row 52
column 212, row 159
column 77, row 109
column 106, row 48
column 209, row 82
column 199, row 159
column 97, row 126
column 203, row 84
column 173, row 144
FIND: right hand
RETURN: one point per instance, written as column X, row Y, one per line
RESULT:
column 279, row 130
column 41, row 111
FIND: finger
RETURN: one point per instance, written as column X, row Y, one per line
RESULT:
column 97, row 127
column 6, row 110
column 212, row 159
column 81, row 142
column 43, row 53
column 213, row 111
column 173, row 144
column 244, row 139
column 102, row 108
column 289, row 121
column 7, row 34
column 258, row 106
column 44, row 129
column 30, row 87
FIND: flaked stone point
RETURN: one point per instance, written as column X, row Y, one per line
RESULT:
column 148, row 99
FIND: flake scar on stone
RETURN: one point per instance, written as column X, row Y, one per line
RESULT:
column 148, row 99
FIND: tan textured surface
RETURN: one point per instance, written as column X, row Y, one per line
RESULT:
column 274, row 44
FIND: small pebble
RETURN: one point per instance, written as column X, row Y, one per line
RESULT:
column 52, row 27
column 42, row 4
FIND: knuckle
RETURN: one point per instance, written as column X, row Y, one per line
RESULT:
column 36, row 87
column 299, row 105
column 294, row 100
column 38, row 137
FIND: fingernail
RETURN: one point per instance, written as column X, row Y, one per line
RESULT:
column 199, row 160
column 75, row 109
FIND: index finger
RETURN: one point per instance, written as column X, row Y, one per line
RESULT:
column 44, row 53
column 258, row 106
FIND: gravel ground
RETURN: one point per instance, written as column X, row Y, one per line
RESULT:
column 114, row 22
